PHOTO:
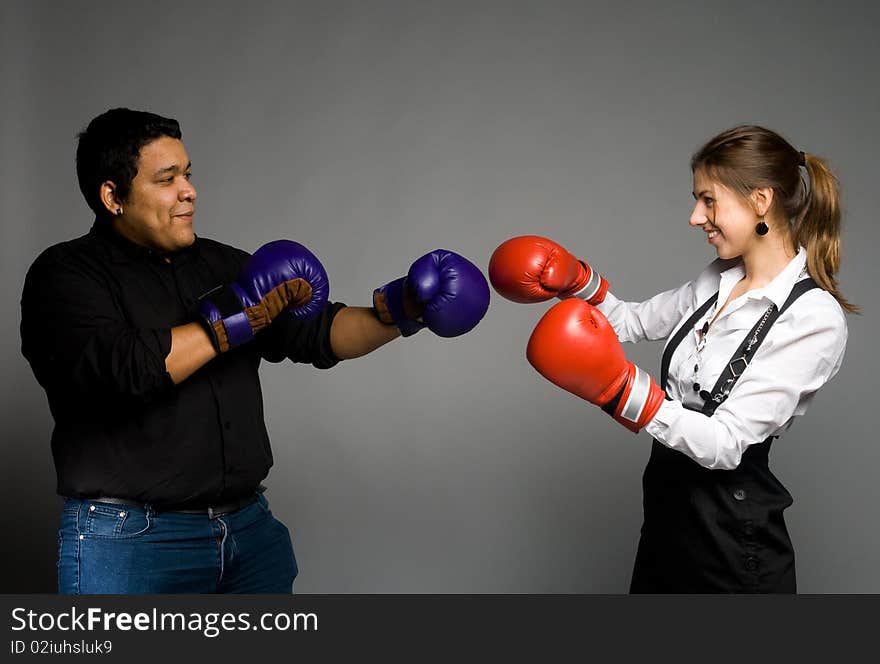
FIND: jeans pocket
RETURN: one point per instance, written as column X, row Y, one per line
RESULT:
column 115, row 521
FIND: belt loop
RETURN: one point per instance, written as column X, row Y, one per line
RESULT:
column 210, row 513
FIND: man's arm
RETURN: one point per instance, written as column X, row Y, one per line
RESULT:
column 356, row 331
column 191, row 349
column 76, row 339
column 443, row 292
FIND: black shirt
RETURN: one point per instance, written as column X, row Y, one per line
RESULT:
column 97, row 314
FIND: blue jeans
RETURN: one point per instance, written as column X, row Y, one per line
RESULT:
column 117, row 549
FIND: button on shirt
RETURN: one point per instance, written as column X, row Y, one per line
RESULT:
column 802, row 351
column 97, row 314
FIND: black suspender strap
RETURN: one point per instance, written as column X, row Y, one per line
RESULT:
column 682, row 331
column 749, row 347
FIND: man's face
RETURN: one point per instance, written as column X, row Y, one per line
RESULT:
column 159, row 210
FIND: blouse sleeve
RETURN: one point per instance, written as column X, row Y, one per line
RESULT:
column 649, row 320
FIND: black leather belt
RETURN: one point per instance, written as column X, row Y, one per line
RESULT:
column 210, row 512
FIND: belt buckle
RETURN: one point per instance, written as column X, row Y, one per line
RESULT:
column 231, row 506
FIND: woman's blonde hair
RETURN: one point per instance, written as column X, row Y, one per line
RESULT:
column 749, row 157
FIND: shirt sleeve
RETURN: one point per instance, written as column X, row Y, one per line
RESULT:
column 794, row 361
column 649, row 320
column 301, row 341
column 76, row 338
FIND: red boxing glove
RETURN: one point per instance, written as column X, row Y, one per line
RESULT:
column 530, row 268
column 574, row 347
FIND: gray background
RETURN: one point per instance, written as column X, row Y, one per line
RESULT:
column 373, row 132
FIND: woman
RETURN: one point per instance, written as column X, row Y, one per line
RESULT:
column 754, row 336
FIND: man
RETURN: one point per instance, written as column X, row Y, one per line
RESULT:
column 147, row 340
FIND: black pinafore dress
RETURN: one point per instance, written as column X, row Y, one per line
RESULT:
column 716, row 531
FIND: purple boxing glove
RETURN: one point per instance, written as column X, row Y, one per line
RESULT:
column 279, row 275
column 442, row 291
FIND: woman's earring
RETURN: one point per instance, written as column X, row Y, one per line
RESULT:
column 761, row 228
column 119, row 211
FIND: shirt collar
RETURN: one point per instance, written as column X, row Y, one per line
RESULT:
column 123, row 250
column 778, row 290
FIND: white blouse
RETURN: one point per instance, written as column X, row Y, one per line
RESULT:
column 802, row 351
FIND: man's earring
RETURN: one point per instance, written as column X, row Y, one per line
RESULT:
column 761, row 228
column 119, row 211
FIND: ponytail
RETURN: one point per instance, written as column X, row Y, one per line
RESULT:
column 817, row 228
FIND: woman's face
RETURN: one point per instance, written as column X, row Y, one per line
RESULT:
column 727, row 219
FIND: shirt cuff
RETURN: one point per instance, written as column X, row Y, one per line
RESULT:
column 688, row 432
column 607, row 305
column 668, row 412
column 157, row 378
